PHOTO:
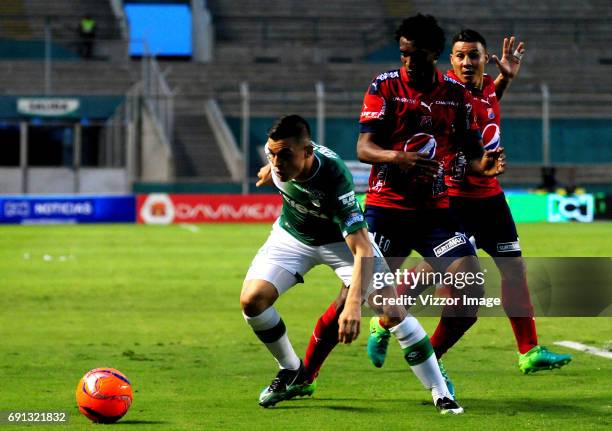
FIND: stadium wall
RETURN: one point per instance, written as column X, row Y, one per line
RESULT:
column 573, row 141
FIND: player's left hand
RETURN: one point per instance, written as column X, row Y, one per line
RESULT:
column 349, row 323
column 493, row 162
column 510, row 62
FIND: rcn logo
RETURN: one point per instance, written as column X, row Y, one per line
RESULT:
column 490, row 137
column 422, row 143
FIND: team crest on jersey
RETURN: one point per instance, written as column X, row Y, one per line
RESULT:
column 422, row 143
column 490, row 113
column 426, row 122
column 316, row 197
column 491, row 137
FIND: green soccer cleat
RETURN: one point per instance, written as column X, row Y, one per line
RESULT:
column 378, row 342
column 302, row 390
column 286, row 385
column 449, row 383
column 540, row 358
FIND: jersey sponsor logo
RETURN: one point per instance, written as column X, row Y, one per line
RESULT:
column 449, row 245
column 422, row 143
column 302, row 209
column 347, row 199
column 426, row 105
column 404, row 100
column 356, row 217
column 446, row 103
column 506, row 247
column 381, row 177
column 368, row 115
column 491, row 137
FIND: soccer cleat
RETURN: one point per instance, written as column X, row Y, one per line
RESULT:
column 540, row 358
column 449, row 383
column 447, row 406
column 378, row 342
column 304, row 389
column 286, row 385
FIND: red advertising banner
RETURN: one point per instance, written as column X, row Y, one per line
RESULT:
column 161, row 208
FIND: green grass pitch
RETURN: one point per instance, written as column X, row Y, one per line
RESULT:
column 161, row 305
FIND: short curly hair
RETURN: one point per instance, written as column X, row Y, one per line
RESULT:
column 424, row 31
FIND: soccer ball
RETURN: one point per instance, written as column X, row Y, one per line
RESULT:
column 104, row 395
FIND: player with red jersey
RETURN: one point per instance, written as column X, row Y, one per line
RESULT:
column 480, row 204
column 414, row 121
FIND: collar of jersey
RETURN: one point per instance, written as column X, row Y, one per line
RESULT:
column 315, row 172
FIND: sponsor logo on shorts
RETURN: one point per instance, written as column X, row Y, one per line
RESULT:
column 353, row 218
column 505, row 247
column 449, row 244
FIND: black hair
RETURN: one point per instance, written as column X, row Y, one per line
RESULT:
column 469, row 35
column 290, row 126
column 424, row 31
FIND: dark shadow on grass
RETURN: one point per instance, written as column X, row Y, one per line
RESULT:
column 319, row 406
column 558, row 407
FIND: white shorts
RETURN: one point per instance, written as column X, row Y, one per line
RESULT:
column 283, row 260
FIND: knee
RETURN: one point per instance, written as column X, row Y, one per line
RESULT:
column 254, row 301
column 513, row 269
column 390, row 321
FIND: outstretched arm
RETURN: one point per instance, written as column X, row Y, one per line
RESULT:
column 508, row 66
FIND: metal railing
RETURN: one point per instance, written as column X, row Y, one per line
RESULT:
column 157, row 94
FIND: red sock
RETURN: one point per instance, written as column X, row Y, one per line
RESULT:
column 323, row 340
column 448, row 332
column 524, row 332
column 517, row 304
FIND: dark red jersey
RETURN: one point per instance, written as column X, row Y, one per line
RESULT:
column 486, row 111
column 405, row 119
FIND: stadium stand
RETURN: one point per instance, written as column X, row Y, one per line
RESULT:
column 284, row 49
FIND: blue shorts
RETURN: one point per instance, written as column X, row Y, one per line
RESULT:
column 490, row 222
column 435, row 234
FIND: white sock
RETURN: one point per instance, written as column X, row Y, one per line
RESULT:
column 270, row 329
column 420, row 356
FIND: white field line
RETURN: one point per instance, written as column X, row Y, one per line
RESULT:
column 190, row 227
column 584, row 348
